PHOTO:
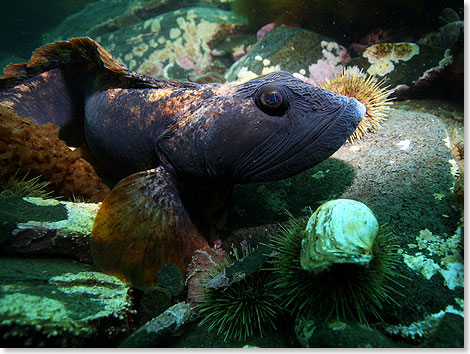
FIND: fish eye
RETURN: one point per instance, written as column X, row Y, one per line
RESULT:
column 271, row 100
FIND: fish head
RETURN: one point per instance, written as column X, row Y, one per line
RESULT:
column 266, row 129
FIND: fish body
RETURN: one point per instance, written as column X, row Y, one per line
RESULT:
column 166, row 138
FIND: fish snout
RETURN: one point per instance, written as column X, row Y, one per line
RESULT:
column 355, row 109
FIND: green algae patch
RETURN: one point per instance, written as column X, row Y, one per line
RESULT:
column 58, row 302
column 79, row 219
column 16, row 210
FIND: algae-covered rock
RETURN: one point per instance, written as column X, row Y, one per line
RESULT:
column 289, row 49
column 450, row 333
column 171, row 278
column 155, row 332
column 155, row 300
column 441, row 329
column 403, row 63
column 241, row 268
column 36, row 226
column 57, row 302
column 174, row 44
column 337, row 334
column 234, row 46
column 104, row 16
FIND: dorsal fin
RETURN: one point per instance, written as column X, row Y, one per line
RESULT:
column 86, row 55
column 52, row 86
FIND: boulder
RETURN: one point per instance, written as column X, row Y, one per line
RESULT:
column 337, row 334
column 404, row 66
column 174, row 44
column 293, row 50
column 449, row 334
column 36, row 226
column 60, row 303
column 160, row 329
column 104, row 16
column 155, row 300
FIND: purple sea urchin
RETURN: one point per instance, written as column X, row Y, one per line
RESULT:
column 352, row 82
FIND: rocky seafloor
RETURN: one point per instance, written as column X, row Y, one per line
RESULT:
column 405, row 172
column 409, row 173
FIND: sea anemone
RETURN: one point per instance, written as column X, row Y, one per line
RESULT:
column 246, row 308
column 352, row 82
column 344, row 291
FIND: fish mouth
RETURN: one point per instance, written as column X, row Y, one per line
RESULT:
column 355, row 109
column 348, row 116
column 318, row 146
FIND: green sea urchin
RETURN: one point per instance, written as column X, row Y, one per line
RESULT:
column 26, row 187
column 345, row 291
column 243, row 309
column 352, row 82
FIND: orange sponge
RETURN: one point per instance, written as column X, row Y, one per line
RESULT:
column 37, row 150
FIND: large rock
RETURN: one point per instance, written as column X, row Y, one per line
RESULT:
column 104, row 16
column 36, row 226
column 155, row 332
column 155, row 300
column 404, row 65
column 174, row 44
column 57, row 302
column 337, row 334
column 293, row 50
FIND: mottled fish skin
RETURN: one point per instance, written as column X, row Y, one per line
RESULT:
column 217, row 131
column 237, row 141
column 179, row 145
column 133, row 121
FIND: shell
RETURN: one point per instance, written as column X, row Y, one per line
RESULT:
column 339, row 231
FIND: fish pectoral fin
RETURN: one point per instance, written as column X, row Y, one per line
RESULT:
column 142, row 225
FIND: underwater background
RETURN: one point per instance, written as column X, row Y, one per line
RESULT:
column 254, row 285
